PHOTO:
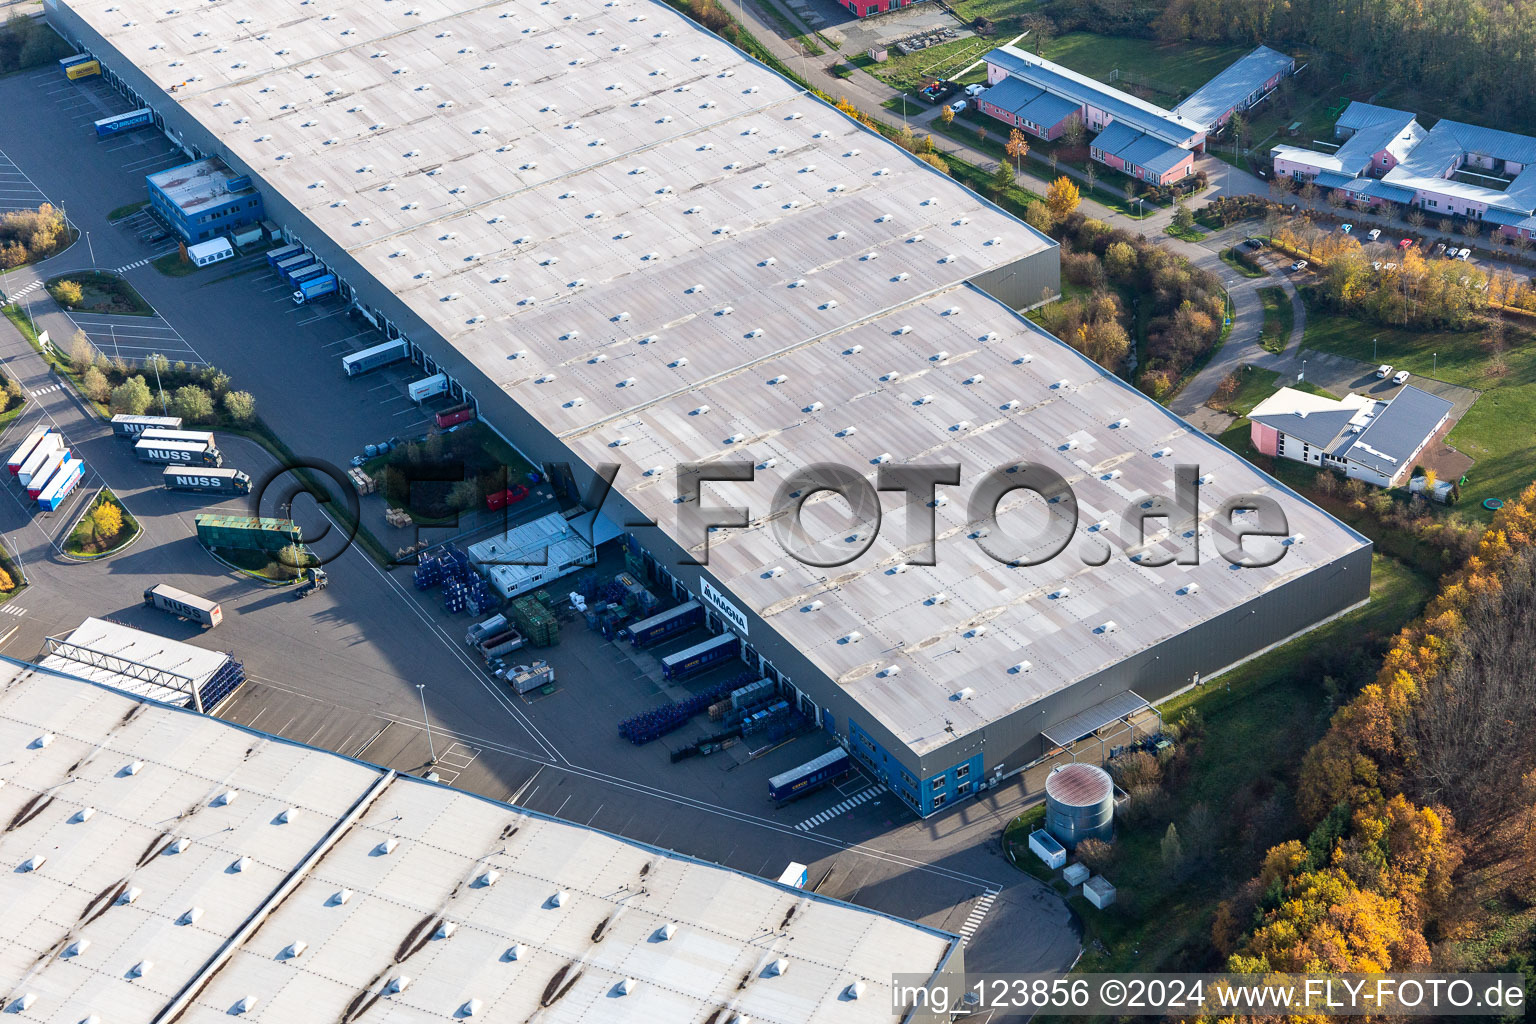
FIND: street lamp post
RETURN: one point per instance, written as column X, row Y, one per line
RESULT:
column 421, row 688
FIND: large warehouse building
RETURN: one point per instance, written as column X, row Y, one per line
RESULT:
column 628, row 243
column 166, row 866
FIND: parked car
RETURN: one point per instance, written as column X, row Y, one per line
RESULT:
column 1405, row 244
column 976, row 89
column 957, row 106
column 1346, row 228
column 1440, row 248
column 1255, row 243
column 1400, row 377
column 1376, row 264
column 1463, row 254
column 1299, row 265
column 1374, row 234
column 1384, row 371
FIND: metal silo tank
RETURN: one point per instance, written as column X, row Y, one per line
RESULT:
column 1079, row 803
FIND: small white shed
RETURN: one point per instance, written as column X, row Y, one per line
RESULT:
column 1099, row 892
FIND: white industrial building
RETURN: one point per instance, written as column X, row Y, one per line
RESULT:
column 627, row 242
column 145, row 664
column 161, row 865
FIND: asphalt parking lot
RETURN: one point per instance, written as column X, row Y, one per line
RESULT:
column 341, row 669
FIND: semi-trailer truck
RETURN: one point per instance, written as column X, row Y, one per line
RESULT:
column 419, row 390
column 64, row 481
column 50, row 445
column 809, row 777
column 185, row 453
column 51, row 465
column 189, row 606
column 283, row 252
column 658, row 627
column 700, row 657
column 314, row 288
column 302, row 259
column 204, row 437
column 21, row 454
column 206, row 481
column 372, row 358
column 124, row 425
column 313, row 270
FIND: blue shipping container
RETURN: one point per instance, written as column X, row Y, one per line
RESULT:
column 812, row 775
column 124, row 122
column 668, row 623
column 286, row 252
column 693, row 660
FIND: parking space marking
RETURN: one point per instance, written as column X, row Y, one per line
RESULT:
column 19, row 191
column 149, row 335
column 978, row 914
column 842, row 808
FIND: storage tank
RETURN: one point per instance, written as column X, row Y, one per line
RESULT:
column 1079, row 803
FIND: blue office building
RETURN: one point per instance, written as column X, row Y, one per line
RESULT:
column 204, row 199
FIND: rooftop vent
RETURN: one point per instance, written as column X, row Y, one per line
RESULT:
column 245, row 1005
column 293, row 949
column 32, row 863
column 141, row 968
column 191, row 916
column 1010, row 405
column 225, row 798
column 83, row 814
column 559, row 898
column 1110, row 626
column 515, row 952
column 397, row 984
column 75, row 948
column 239, row 864
column 666, row 931
column 889, row 671
column 470, row 1008
column 975, row 379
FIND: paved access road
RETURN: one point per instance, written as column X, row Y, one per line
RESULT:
column 341, row 669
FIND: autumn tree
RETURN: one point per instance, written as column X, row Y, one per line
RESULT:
column 132, row 396
column 107, row 520
column 1017, row 147
column 946, row 115
column 95, row 385
column 192, row 403
column 1062, row 196
column 68, row 294
column 240, row 406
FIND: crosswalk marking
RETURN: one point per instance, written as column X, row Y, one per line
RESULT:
column 847, row 805
column 46, row 390
column 978, row 914
column 135, row 265
column 24, row 292
column 12, row 609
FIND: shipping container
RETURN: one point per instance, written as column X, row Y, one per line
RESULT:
column 51, row 444
column 795, row 875
column 185, row 453
column 455, row 415
column 249, row 533
column 202, row 437
column 141, row 118
column 286, row 252
column 658, row 627
column 84, row 69
column 64, row 481
column 427, row 387
column 505, row 642
column 189, row 606
column 489, row 627
column 51, row 464
column 701, row 657
column 124, row 425
column 65, row 63
column 372, row 358
column 206, row 481
column 527, row 678
column 811, row 776
column 755, row 693
column 295, row 262
column 314, row 288
column 19, row 456
column 292, row 273
column 312, row 271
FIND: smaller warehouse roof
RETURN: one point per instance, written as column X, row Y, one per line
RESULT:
column 199, row 184
column 141, row 663
column 1365, row 115
column 1235, row 87
column 525, row 554
column 1399, row 430
column 1030, row 102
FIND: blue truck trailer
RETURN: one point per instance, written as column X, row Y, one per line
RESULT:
column 124, row 122
column 281, row 253
column 315, row 287
column 671, row 622
column 61, row 484
column 292, row 263
column 691, row 661
column 809, row 777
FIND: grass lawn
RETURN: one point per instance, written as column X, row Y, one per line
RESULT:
column 909, row 73
column 1192, row 234
column 1179, row 67
column 1496, row 431
column 102, row 292
column 1257, row 384
column 173, row 264
column 127, row 210
column 1260, row 718
column 84, row 541
column 1279, row 318
column 1242, row 268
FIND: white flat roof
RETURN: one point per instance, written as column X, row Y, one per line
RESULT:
column 162, row 832
column 118, row 644
column 549, row 542
column 667, row 253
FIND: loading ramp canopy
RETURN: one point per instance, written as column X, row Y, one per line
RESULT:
column 1089, row 721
